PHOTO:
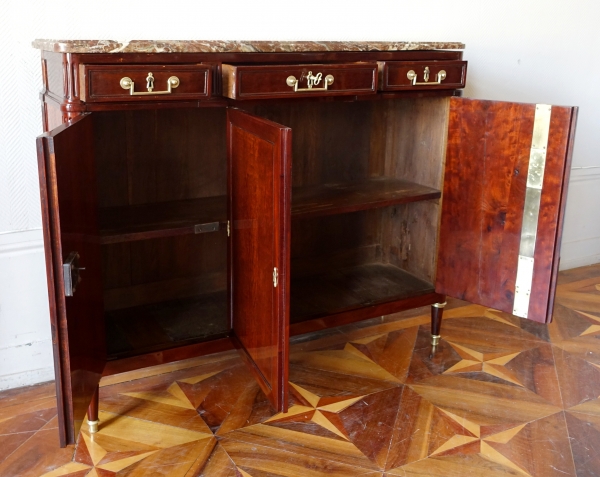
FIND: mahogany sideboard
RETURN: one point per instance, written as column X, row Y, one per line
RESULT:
column 202, row 195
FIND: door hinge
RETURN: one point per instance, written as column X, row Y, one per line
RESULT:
column 228, row 229
column 275, row 277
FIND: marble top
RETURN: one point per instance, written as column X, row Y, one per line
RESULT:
column 222, row 46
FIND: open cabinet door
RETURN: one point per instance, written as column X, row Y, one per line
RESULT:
column 259, row 153
column 71, row 240
column 506, row 175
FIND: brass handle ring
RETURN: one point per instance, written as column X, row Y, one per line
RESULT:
column 127, row 83
column 312, row 81
column 412, row 76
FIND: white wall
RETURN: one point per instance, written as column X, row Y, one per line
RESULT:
column 542, row 51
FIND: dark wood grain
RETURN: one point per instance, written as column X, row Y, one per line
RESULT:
column 339, row 290
column 92, row 412
column 375, row 192
column 251, row 82
column 259, row 192
column 393, row 74
column 170, row 355
column 102, row 82
column 363, row 313
column 162, row 219
column 166, row 324
column 367, row 173
column 484, row 193
column 552, row 208
column 67, row 163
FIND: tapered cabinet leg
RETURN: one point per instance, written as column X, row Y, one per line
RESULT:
column 437, row 310
column 93, row 413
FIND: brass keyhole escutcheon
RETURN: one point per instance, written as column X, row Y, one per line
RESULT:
column 150, row 82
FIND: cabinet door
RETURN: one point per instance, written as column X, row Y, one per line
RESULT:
column 259, row 153
column 70, row 216
column 506, row 174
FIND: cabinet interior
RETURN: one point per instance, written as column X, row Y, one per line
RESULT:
column 161, row 172
column 366, row 179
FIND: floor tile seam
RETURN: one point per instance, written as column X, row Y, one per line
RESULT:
column 275, row 447
column 25, row 391
column 587, row 414
column 528, row 340
column 162, row 373
column 562, row 401
column 393, row 384
column 569, row 439
column 157, row 423
column 387, row 455
column 7, row 408
column 434, row 386
column 510, row 385
column 556, row 411
column 25, row 432
column 202, row 466
column 481, row 439
column 33, row 436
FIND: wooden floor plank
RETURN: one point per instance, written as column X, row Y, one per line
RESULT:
column 498, row 396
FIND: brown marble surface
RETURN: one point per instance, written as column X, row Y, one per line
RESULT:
column 223, row 46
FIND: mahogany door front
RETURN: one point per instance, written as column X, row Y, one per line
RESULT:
column 73, row 264
column 259, row 153
column 507, row 170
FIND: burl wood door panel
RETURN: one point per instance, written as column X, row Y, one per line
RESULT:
column 507, row 169
column 259, row 153
column 70, row 219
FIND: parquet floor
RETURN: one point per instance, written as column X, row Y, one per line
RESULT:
column 499, row 397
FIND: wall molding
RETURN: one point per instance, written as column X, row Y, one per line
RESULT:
column 21, row 241
column 573, row 249
column 578, row 175
column 26, row 378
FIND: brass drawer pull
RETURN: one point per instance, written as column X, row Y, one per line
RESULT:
column 312, row 81
column 412, row 76
column 127, row 83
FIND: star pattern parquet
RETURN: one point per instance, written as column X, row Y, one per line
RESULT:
column 498, row 396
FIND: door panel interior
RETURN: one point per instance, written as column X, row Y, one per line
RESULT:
column 506, row 167
column 259, row 180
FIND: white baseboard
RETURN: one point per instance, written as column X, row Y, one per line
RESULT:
column 21, row 239
column 580, row 253
column 25, row 342
column 26, row 378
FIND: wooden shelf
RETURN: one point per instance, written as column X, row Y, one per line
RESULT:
column 329, row 199
column 340, row 290
column 162, row 219
column 148, row 328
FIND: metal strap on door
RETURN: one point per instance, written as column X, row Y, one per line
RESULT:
column 531, row 209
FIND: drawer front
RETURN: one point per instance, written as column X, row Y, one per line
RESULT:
column 279, row 81
column 101, row 83
column 410, row 75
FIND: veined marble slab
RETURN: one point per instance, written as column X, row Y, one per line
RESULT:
column 222, row 46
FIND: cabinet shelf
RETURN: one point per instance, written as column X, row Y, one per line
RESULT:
column 375, row 192
column 166, row 219
column 162, row 219
column 339, row 290
column 155, row 327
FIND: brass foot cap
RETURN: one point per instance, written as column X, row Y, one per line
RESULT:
column 93, row 426
column 435, row 339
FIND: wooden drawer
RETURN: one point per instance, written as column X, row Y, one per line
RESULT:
column 110, row 82
column 279, row 81
column 396, row 75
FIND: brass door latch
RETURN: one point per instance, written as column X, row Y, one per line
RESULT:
column 71, row 276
